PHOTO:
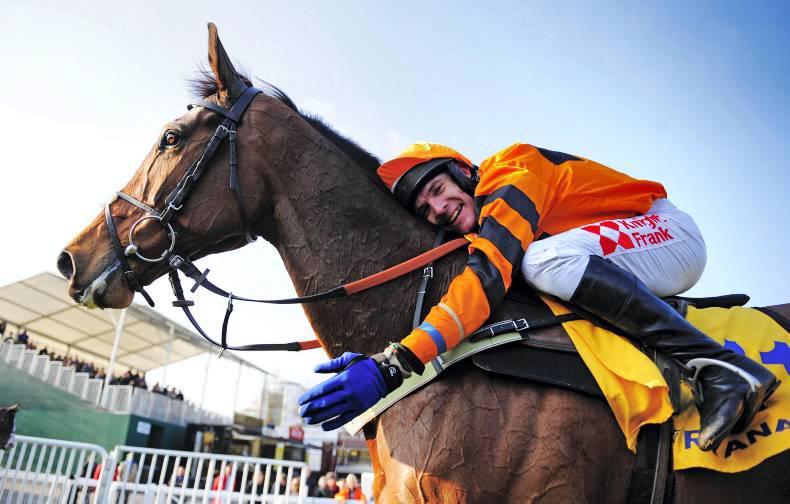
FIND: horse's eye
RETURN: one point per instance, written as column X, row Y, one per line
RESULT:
column 170, row 139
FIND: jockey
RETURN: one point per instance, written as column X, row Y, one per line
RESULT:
column 608, row 244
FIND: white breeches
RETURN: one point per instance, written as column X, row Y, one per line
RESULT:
column 663, row 248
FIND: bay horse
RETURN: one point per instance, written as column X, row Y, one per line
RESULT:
column 469, row 437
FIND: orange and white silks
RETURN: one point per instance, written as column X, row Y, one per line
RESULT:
column 524, row 192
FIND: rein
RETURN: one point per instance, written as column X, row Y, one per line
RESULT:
column 178, row 263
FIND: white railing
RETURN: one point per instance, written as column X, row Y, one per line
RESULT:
column 13, row 354
column 53, row 371
column 122, row 399
column 117, row 398
column 5, row 346
column 149, row 404
column 49, row 470
column 175, row 412
column 164, row 476
column 38, row 470
column 25, row 359
column 163, row 408
column 64, row 378
column 39, row 367
column 78, row 383
column 92, row 392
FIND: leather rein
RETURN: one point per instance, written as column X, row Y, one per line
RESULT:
column 174, row 203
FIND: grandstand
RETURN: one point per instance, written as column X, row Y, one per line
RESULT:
column 103, row 428
column 59, row 401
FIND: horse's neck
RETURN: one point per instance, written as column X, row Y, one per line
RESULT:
column 332, row 226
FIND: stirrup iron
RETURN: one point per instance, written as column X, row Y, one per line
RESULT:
column 696, row 365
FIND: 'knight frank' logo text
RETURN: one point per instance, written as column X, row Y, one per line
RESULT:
column 630, row 233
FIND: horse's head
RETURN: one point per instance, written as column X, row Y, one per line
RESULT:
column 308, row 190
column 214, row 217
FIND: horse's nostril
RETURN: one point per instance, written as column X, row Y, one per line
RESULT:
column 66, row 265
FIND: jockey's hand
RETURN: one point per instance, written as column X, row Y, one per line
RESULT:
column 359, row 384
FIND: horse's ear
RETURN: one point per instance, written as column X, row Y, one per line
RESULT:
column 14, row 407
column 227, row 78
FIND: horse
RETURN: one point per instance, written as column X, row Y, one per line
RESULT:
column 313, row 194
column 7, row 426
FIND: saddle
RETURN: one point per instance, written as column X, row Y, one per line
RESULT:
column 548, row 356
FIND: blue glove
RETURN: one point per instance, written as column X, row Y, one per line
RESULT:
column 358, row 385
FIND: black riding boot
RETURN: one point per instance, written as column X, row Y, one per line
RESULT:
column 622, row 300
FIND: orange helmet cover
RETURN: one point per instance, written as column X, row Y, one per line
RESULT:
column 391, row 171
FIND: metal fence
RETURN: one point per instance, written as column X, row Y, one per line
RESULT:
column 26, row 359
column 146, row 475
column 39, row 367
column 43, row 471
column 13, row 353
column 38, row 470
column 78, row 383
column 5, row 346
column 53, row 371
column 64, row 378
column 117, row 398
column 92, row 392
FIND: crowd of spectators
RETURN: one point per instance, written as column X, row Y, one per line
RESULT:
column 328, row 486
column 342, row 489
column 171, row 392
column 130, row 377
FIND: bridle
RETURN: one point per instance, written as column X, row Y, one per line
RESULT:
column 176, row 261
column 175, row 200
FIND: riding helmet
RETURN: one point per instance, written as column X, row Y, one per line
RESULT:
column 406, row 174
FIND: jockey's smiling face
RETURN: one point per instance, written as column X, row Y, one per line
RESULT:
column 442, row 203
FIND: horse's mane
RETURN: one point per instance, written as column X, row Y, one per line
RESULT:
column 205, row 85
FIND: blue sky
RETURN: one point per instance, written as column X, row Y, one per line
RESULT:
column 693, row 94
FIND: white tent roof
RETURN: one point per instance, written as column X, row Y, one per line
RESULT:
column 41, row 304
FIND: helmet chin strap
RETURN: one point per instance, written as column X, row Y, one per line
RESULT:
column 466, row 181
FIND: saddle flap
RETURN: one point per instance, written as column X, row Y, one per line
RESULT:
column 553, row 367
